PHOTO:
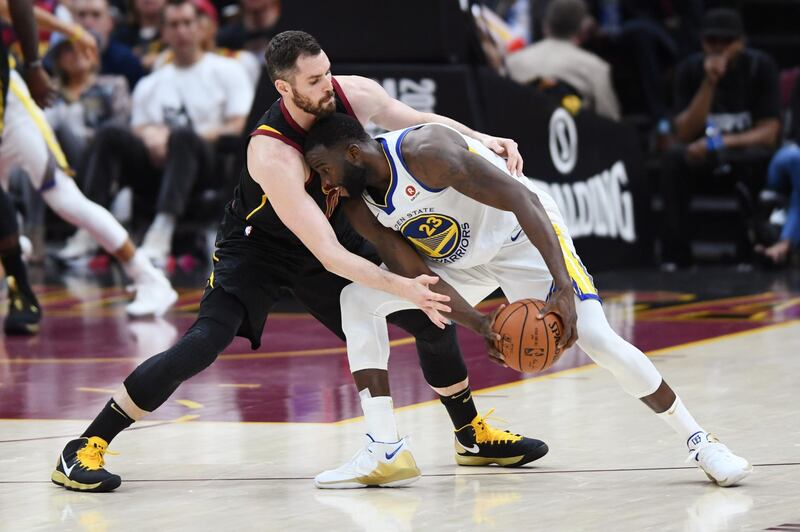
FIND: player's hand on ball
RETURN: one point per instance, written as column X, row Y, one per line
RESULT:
column 562, row 303
column 491, row 338
column 505, row 148
column 431, row 303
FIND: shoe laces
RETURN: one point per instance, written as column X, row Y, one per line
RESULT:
column 713, row 454
column 90, row 455
column 485, row 433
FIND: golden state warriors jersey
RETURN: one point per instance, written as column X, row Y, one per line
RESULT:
column 443, row 224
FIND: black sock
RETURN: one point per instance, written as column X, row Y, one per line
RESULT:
column 460, row 407
column 109, row 422
column 14, row 267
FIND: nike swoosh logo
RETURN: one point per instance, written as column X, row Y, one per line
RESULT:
column 120, row 412
column 474, row 449
column 389, row 456
column 67, row 470
column 515, row 237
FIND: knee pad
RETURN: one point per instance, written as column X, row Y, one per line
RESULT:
column 155, row 379
column 440, row 357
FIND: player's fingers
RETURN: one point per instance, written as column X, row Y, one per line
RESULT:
column 430, row 295
column 546, row 309
column 496, row 147
column 427, row 279
column 569, row 337
column 440, row 307
column 436, row 318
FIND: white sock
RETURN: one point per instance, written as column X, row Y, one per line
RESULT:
column 379, row 417
column 140, row 267
column 160, row 231
column 682, row 422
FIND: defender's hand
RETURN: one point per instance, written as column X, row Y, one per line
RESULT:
column 430, row 302
column 505, row 148
column 562, row 303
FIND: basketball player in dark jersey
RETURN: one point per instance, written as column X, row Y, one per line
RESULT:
column 283, row 231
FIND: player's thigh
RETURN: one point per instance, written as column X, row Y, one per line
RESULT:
column 319, row 291
column 28, row 142
column 521, row 272
column 473, row 284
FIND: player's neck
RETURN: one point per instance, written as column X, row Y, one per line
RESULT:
column 303, row 119
column 380, row 177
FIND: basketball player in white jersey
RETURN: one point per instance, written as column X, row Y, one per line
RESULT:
column 478, row 228
column 29, row 143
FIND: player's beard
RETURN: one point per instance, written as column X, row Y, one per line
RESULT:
column 319, row 109
column 354, row 179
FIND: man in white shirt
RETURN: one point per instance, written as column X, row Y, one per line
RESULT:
column 559, row 57
column 178, row 113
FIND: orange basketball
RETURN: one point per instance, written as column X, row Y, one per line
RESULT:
column 529, row 344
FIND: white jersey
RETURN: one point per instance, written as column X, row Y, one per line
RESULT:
column 446, row 226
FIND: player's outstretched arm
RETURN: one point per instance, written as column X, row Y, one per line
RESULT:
column 441, row 158
column 372, row 103
column 281, row 172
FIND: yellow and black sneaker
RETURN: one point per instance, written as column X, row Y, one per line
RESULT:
column 80, row 467
column 479, row 444
column 24, row 313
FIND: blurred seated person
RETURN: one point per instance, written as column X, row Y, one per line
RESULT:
column 115, row 57
column 140, row 31
column 783, row 188
column 253, row 28
column 727, row 127
column 559, row 58
column 178, row 114
column 86, row 100
column 207, row 22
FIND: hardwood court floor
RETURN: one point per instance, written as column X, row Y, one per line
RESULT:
column 237, row 449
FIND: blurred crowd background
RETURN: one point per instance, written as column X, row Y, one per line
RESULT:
column 155, row 124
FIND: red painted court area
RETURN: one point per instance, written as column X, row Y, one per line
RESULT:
column 300, row 374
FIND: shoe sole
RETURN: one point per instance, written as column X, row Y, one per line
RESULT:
column 511, row 461
column 60, row 479
column 732, row 480
column 347, row 485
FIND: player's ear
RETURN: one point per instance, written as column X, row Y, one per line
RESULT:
column 353, row 153
column 282, row 86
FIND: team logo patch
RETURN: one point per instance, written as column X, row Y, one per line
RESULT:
column 411, row 191
column 435, row 235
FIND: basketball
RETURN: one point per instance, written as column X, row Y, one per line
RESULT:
column 528, row 344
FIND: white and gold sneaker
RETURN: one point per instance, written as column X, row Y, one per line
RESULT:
column 379, row 464
column 716, row 460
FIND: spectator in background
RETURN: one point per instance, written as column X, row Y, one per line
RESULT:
column 141, row 31
column 254, row 27
column 783, row 178
column 207, row 23
column 179, row 111
column 85, row 100
column 727, row 127
column 115, row 57
column 559, row 57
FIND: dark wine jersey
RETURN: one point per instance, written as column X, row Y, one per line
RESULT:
column 251, row 212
